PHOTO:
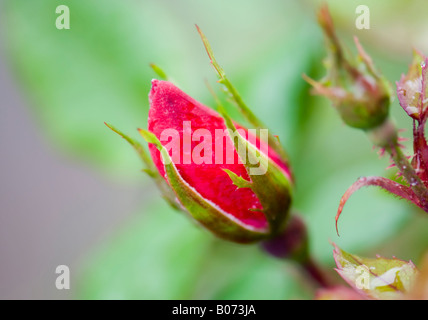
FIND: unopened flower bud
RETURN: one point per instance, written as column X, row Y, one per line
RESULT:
column 215, row 180
column 412, row 89
column 357, row 90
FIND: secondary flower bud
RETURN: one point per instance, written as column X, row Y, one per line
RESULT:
column 412, row 88
column 412, row 92
column 358, row 92
column 220, row 185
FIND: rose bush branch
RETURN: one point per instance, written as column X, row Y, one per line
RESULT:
column 362, row 97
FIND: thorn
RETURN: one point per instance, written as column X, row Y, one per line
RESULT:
column 381, row 152
column 337, row 227
column 390, row 166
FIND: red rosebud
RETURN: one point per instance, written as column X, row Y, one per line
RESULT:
column 193, row 150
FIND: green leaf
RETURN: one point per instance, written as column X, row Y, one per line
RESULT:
column 378, row 278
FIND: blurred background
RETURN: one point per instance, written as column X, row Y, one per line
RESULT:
column 71, row 191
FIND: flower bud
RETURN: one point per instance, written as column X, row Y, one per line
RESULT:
column 412, row 89
column 358, row 92
column 222, row 174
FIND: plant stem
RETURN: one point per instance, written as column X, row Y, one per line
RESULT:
column 385, row 136
column 292, row 244
column 409, row 174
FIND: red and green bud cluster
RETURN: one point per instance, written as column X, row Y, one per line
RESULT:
column 356, row 89
column 362, row 97
column 412, row 93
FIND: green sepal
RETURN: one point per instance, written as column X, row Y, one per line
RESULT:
column 161, row 74
column 221, row 223
column 150, row 169
column 237, row 99
column 273, row 188
column 145, row 158
column 238, row 180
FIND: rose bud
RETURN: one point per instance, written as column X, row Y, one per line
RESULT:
column 412, row 89
column 357, row 90
column 239, row 189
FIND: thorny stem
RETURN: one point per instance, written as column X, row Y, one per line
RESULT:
column 385, row 136
column 409, row 174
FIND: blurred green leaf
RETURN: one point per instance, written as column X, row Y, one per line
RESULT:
column 161, row 255
column 265, row 279
column 157, row 255
column 81, row 77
